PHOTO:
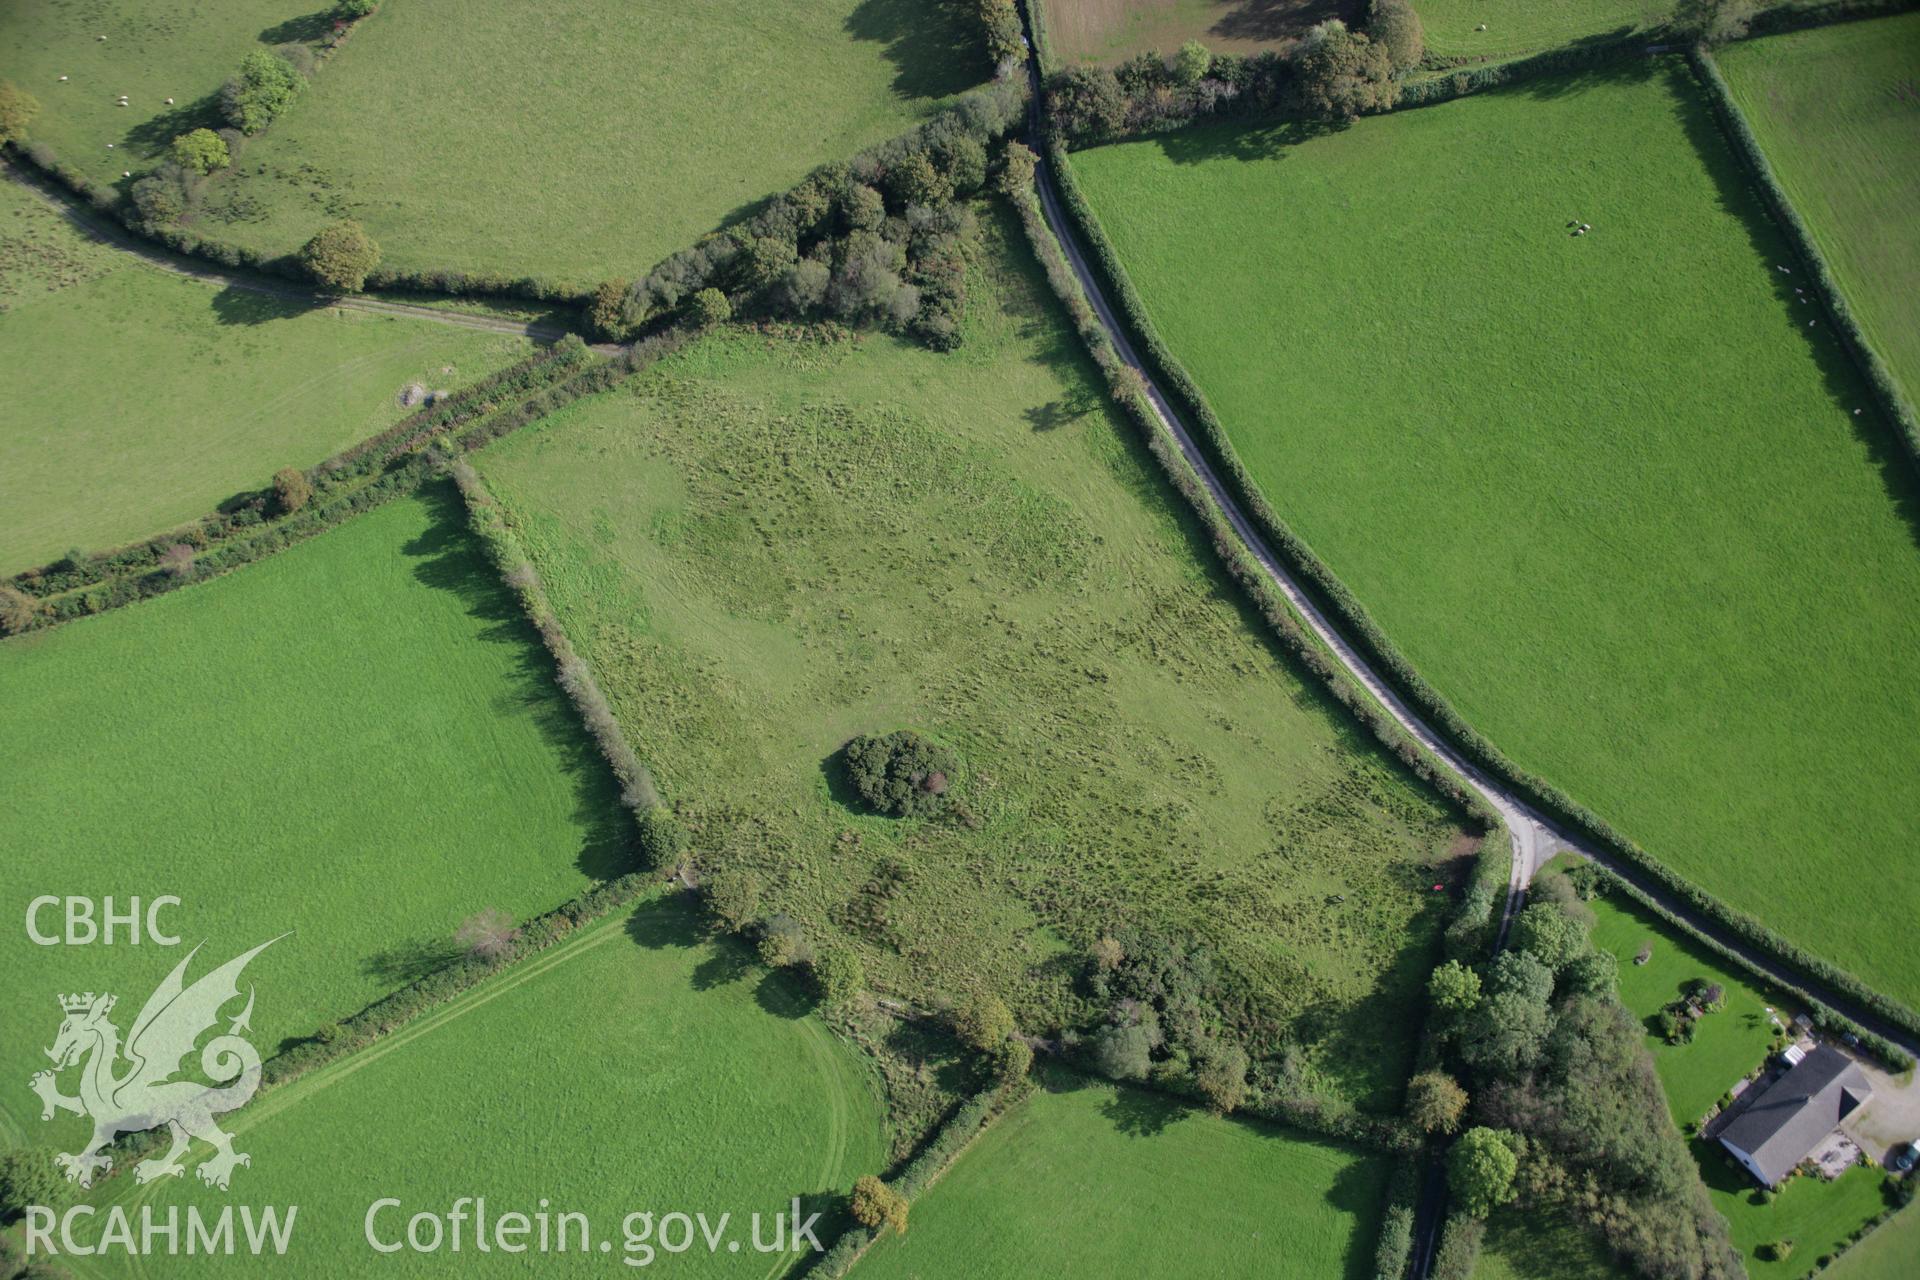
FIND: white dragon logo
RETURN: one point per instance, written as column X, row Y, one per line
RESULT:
column 144, row 1096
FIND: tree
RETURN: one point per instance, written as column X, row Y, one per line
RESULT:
column 735, row 896
column 607, row 313
column 1013, row 1059
column 1549, row 935
column 1396, row 27
column 863, row 208
column 1341, row 73
column 1506, row 1033
column 964, row 161
column 1016, row 179
column 17, row 110
column 354, row 9
column 1222, row 1077
column 1714, row 22
column 1435, row 1101
column 1005, row 43
column 341, row 256
column 708, row 308
column 486, row 935
column 1087, row 103
column 1107, row 954
column 1594, row 973
column 839, row 974
column 1123, row 1052
column 1453, row 987
column 265, row 85
column 901, row 773
column 915, row 181
column 201, row 151
column 661, row 837
column 783, row 942
column 29, row 1177
column 984, row 1022
column 163, row 196
column 875, row 1204
column 765, row 260
column 18, row 611
column 1191, row 64
column 805, row 287
column 291, row 490
column 1480, row 1170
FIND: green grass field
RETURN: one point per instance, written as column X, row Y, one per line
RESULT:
column 1514, row 27
column 154, row 50
column 1521, row 1245
column 1837, row 110
column 1725, row 1046
column 638, row 1067
column 358, row 740
column 1108, row 31
column 138, row 400
column 1084, row 1179
column 579, row 141
column 774, row 542
column 1607, row 493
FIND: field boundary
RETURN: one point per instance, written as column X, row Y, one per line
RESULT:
column 1753, row 158
column 1400, row 674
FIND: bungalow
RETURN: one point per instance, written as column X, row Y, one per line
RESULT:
column 1786, row 1120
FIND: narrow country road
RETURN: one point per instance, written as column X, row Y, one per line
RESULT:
column 117, row 237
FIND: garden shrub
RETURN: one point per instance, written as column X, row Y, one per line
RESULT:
column 901, row 774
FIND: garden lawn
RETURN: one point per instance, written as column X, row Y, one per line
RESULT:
column 1109, row 31
column 357, row 740
column 1515, row 27
column 639, row 1067
column 581, row 140
column 137, row 400
column 1837, row 110
column 1726, row 1046
column 1816, row 1216
column 1887, row 1254
column 1608, row 493
column 778, row 540
column 154, row 50
column 1086, row 1179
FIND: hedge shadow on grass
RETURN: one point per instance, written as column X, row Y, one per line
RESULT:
column 157, row 132
column 671, row 924
column 234, row 305
column 451, row 560
column 1278, row 19
column 1839, row 373
column 936, row 49
column 306, row 29
column 1141, row 1113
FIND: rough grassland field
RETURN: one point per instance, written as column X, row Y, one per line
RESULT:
column 639, row 1066
column 1837, row 110
column 1522, row 1245
column 1084, row 1179
column 1608, row 493
column 578, row 139
column 137, row 400
column 1107, row 31
column 775, row 542
column 358, row 740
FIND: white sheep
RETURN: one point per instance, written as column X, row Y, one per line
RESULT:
column 63, row 79
column 169, row 101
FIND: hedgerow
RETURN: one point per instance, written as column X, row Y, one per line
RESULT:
column 1395, row 1244
column 1358, row 624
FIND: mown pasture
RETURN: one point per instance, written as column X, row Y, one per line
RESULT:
column 1887, row 1254
column 1109, row 31
column 1837, row 110
column 1818, row 1217
column 779, row 540
column 1087, row 1179
column 1515, row 27
column 1608, row 493
column 577, row 140
column 138, row 399
column 641, row 1066
column 152, row 51
column 357, row 740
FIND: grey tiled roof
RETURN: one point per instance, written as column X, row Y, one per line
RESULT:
column 1782, row 1125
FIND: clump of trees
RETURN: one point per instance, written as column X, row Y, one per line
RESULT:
column 1553, row 1058
column 201, row 151
column 1149, row 93
column 1005, row 41
column 291, row 490
column 17, row 110
column 1394, row 26
column 901, row 774
column 1342, row 73
column 876, row 1205
column 881, row 239
column 266, row 85
column 18, row 611
column 341, row 256
column 1714, row 22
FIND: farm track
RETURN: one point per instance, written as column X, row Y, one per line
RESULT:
column 1535, row 838
column 115, row 237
